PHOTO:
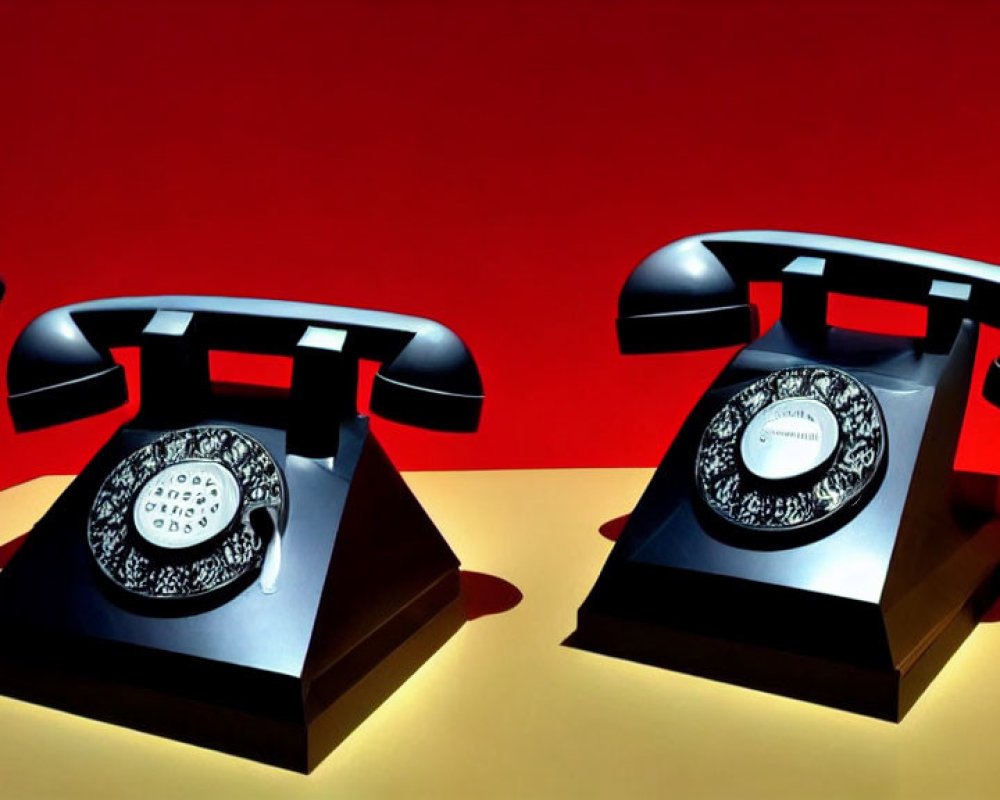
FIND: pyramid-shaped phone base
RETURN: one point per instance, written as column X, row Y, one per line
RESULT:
column 884, row 694
column 368, row 591
column 863, row 609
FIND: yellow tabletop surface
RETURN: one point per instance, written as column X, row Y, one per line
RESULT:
column 504, row 710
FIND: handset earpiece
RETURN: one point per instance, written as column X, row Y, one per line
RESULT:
column 682, row 297
column 55, row 374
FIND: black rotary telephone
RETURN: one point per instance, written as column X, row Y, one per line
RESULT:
column 239, row 569
column 800, row 535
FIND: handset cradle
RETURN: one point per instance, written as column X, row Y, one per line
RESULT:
column 800, row 535
column 247, row 573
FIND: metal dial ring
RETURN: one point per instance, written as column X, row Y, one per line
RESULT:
column 172, row 520
column 771, row 460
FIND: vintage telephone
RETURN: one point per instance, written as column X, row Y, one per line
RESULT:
column 240, row 570
column 800, row 535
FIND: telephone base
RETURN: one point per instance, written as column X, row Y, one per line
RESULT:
column 884, row 694
column 368, row 590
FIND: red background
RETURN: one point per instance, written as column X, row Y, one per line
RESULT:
column 497, row 166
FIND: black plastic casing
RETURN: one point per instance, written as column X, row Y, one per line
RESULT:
column 862, row 611
column 367, row 588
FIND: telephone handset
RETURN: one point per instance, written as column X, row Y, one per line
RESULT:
column 800, row 535
column 243, row 571
column 61, row 367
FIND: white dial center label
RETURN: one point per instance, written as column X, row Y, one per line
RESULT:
column 186, row 504
column 789, row 438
